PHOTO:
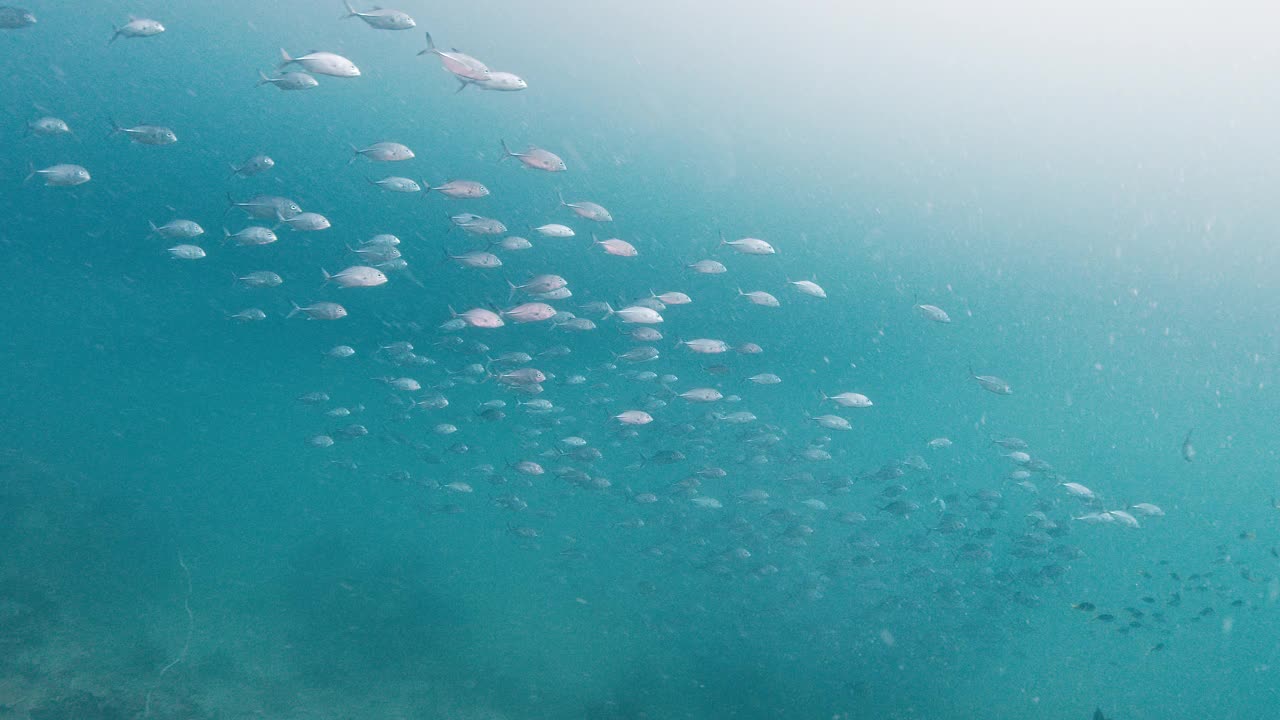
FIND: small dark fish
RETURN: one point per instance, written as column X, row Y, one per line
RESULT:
column 1188, row 451
column 1105, row 617
column 1156, row 648
column 1206, row 612
column 1097, row 715
column 1085, row 606
column 663, row 457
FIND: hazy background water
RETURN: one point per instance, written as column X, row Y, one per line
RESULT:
column 1086, row 189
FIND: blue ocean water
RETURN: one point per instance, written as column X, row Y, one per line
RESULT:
column 1090, row 207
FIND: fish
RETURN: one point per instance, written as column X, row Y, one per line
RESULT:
column 62, row 175
column 177, row 229
column 554, row 230
column 933, row 313
column 991, row 383
column 288, row 81
column 355, row 276
column 136, row 28
column 708, row 267
column 320, row 63
column 319, row 311
column 382, row 152
column 304, row 222
column 48, row 127
column 265, row 207
column 760, row 297
column 748, row 246
column 808, row 287
column 397, row 184
column 498, row 81
column 1188, row 450
column 16, row 18
column 261, row 279
column 187, row 252
column 615, row 247
column 462, row 189
column 587, row 210
column 635, row 314
column 145, row 134
column 536, row 158
column 380, row 18
column 255, row 165
column 252, row 235
column 462, row 66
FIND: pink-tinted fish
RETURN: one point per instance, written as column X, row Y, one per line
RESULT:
column 461, row 189
column 529, row 312
column 479, row 318
column 536, row 158
column 460, row 64
column 588, row 210
column 616, row 247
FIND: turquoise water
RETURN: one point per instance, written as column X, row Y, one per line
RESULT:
column 1092, row 211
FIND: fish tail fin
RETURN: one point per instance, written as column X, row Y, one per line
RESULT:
column 296, row 309
column 154, row 229
column 234, row 170
column 608, row 310
column 31, row 172
column 263, row 79
column 355, row 153
column 431, row 44
column 115, row 34
column 116, row 127
column 506, row 151
column 327, row 276
column 513, row 288
column 285, row 59
column 723, row 241
column 560, row 197
column 462, row 85
column 351, row 12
